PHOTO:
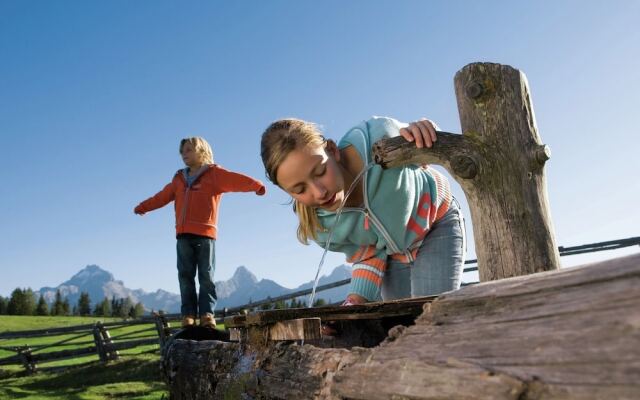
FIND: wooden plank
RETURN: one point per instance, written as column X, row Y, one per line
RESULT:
column 234, row 335
column 296, row 329
column 366, row 311
column 132, row 343
column 67, row 329
column 63, row 354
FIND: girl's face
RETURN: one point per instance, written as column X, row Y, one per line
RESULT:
column 189, row 155
column 312, row 176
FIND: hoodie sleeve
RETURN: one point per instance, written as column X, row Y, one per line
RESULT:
column 367, row 271
column 228, row 181
column 366, row 134
column 160, row 199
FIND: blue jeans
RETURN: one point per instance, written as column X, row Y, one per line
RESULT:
column 196, row 253
column 438, row 265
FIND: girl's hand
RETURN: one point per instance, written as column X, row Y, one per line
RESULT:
column 423, row 132
column 332, row 328
column 354, row 299
column 138, row 210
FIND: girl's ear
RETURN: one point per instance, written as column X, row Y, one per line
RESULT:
column 332, row 149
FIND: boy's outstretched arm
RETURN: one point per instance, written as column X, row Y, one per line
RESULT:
column 160, row 199
column 228, row 181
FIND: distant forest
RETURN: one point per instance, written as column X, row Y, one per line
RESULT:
column 26, row 302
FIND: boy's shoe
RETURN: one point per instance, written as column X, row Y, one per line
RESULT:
column 207, row 321
column 188, row 321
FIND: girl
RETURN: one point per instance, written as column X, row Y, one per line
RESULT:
column 197, row 190
column 400, row 227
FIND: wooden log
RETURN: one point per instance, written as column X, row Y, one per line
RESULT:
column 568, row 334
column 499, row 163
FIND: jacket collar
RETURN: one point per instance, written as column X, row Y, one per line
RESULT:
column 202, row 171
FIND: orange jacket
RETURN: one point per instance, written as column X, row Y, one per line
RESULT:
column 197, row 206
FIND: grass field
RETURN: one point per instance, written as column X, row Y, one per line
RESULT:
column 136, row 375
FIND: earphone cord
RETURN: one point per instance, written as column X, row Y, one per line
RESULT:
column 338, row 213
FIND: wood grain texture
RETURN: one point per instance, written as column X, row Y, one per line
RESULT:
column 568, row 334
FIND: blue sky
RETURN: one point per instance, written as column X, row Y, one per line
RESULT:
column 95, row 97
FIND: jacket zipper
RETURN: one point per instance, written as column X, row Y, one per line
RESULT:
column 184, row 207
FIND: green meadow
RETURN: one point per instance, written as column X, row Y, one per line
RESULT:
column 136, row 375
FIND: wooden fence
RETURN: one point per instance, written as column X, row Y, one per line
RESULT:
column 98, row 342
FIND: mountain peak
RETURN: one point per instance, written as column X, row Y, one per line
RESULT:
column 243, row 275
column 90, row 273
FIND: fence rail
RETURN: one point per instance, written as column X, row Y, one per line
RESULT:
column 107, row 347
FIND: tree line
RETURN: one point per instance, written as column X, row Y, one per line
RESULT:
column 23, row 302
column 294, row 303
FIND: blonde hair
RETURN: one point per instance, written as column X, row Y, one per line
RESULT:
column 280, row 139
column 201, row 147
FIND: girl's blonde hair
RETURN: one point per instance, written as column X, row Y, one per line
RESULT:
column 201, row 147
column 280, row 139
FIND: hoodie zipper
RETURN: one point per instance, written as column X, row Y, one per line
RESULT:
column 376, row 222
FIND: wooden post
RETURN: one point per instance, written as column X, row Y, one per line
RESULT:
column 27, row 359
column 499, row 162
column 163, row 328
column 97, row 338
column 112, row 353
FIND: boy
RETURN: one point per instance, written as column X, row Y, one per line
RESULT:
column 196, row 191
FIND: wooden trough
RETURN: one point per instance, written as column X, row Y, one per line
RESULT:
column 360, row 325
column 569, row 334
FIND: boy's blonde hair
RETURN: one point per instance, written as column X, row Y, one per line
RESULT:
column 201, row 147
column 280, row 139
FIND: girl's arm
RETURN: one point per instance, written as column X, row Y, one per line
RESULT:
column 160, row 199
column 366, row 278
column 367, row 271
column 228, row 181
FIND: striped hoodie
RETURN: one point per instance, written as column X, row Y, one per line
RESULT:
column 400, row 206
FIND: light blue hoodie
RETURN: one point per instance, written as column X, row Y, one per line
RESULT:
column 400, row 206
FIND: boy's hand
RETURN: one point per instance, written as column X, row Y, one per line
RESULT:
column 138, row 210
column 261, row 191
column 423, row 132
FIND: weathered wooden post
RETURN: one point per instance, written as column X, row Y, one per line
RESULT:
column 97, row 339
column 499, row 162
column 162, row 327
column 104, row 344
column 112, row 353
column 27, row 359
